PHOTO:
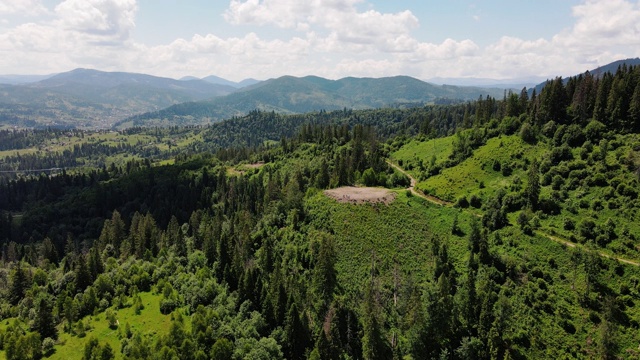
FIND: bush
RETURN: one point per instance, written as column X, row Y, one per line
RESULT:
column 462, row 202
column 513, row 202
column 549, row 129
column 573, row 136
column 593, row 131
column 506, row 170
column 557, row 182
column 597, row 180
column 528, row 133
column 569, row 224
column 369, row 177
column 168, row 305
column 48, row 345
column 496, row 165
column 560, row 153
column 549, row 206
column 475, row 201
column 587, row 229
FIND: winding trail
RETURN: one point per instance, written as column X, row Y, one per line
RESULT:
column 413, row 190
column 559, row 240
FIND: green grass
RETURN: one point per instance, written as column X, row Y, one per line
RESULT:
column 150, row 323
column 399, row 233
column 475, row 175
column 415, row 151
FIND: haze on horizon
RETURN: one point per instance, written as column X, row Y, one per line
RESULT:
column 261, row 39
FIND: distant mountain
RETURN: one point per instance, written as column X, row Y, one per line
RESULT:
column 290, row 94
column 220, row 81
column 22, row 79
column 597, row 72
column 516, row 83
column 612, row 67
column 91, row 98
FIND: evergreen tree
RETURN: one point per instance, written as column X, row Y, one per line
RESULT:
column 297, row 335
column 532, row 191
column 19, row 284
column 83, row 275
column 45, row 324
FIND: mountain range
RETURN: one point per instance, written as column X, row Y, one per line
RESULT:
column 220, row 81
column 290, row 94
column 85, row 98
column 91, row 98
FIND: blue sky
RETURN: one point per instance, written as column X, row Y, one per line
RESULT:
column 237, row 39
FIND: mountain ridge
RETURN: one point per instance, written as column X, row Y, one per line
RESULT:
column 93, row 98
column 289, row 94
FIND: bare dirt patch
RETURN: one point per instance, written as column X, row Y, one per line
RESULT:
column 254, row 166
column 361, row 195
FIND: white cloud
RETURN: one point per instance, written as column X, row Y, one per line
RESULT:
column 331, row 38
column 25, row 7
column 341, row 18
column 105, row 20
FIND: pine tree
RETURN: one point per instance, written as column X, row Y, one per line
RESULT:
column 45, row 324
column 83, row 275
column 297, row 334
column 634, row 109
column 19, row 284
column 532, row 191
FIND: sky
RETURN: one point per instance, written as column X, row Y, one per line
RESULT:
column 263, row 39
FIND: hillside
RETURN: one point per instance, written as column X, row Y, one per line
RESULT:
column 599, row 71
column 96, row 99
column 296, row 238
column 289, row 94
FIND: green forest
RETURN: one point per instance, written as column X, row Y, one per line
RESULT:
column 512, row 233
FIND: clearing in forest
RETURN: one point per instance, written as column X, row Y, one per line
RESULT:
column 361, row 195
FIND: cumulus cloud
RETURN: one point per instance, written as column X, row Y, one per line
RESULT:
column 25, row 7
column 340, row 18
column 331, row 38
column 111, row 20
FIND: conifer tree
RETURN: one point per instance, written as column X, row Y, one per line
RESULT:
column 45, row 324
column 19, row 284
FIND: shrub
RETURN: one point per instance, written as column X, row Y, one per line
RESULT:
column 549, row 129
column 557, row 182
column 568, row 224
column 528, row 133
column 513, row 202
column 475, row 201
column 597, row 180
column 593, row 131
column 369, row 177
column 587, row 229
column 549, row 206
column 496, row 165
column 573, row 136
column 462, row 202
column 48, row 345
column 168, row 305
column 506, row 170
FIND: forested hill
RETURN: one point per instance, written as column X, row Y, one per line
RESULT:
column 598, row 72
column 85, row 98
column 289, row 94
column 529, row 252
